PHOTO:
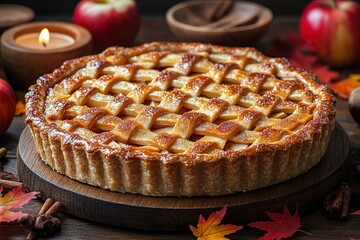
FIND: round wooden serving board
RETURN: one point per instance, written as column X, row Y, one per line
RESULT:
column 175, row 213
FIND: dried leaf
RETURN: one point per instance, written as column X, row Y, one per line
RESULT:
column 356, row 212
column 14, row 199
column 286, row 46
column 344, row 87
column 301, row 55
column 283, row 225
column 324, row 73
column 7, row 216
column 19, row 108
column 211, row 230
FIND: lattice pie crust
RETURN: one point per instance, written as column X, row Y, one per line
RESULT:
column 180, row 119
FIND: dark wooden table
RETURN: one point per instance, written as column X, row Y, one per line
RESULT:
column 155, row 29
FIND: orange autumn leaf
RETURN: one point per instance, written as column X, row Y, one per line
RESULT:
column 14, row 199
column 344, row 87
column 211, row 229
column 19, row 108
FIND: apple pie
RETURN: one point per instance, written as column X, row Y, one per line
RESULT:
column 180, row 119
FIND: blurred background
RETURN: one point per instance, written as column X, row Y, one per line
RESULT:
column 65, row 7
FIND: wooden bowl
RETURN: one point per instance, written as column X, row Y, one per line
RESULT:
column 12, row 15
column 23, row 66
column 187, row 18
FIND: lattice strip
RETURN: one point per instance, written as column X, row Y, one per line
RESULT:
column 90, row 117
column 147, row 117
column 254, row 81
column 202, row 146
column 266, row 103
column 284, row 88
column 126, row 72
column 291, row 122
column 94, row 68
column 124, row 130
column 186, row 124
column 59, row 108
column 69, row 85
column 213, row 108
column 185, row 65
column 140, row 92
column 270, row 135
column 113, row 105
column 174, row 101
column 218, row 143
column 148, row 60
column 104, row 83
column 195, row 85
column 232, row 94
column 220, row 70
column 82, row 94
column 164, row 80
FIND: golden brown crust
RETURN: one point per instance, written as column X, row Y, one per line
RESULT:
column 258, row 151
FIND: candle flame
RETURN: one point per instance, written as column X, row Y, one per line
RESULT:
column 44, row 37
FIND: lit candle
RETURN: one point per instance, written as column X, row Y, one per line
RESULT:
column 44, row 40
column 25, row 57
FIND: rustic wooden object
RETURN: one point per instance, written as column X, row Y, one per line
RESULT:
column 218, row 10
column 247, row 22
column 173, row 213
column 24, row 65
column 13, row 14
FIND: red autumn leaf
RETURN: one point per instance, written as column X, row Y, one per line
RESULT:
column 211, row 229
column 7, row 216
column 299, row 59
column 285, row 47
column 283, row 225
column 324, row 73
column 19, row 108
column 351, row 238
column 356, row 212
column 14, row 199
column 301, row 55
column 344, row 87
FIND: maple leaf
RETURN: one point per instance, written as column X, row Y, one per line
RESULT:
column 14, row 199
column 301, row 55
column 282, row 226
column 286, row 46
column 211, row 230
column 356, row 212
column 19, row 108
column 324, row 73
column 344, row 87
column 7, row 216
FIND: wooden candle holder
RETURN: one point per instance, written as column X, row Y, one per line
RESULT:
column 23, row 65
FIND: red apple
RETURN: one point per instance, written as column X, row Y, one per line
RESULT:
column 111, row 22
column 332, row 28
column 7, row 105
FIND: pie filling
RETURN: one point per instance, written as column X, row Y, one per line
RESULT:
column 180, row 119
